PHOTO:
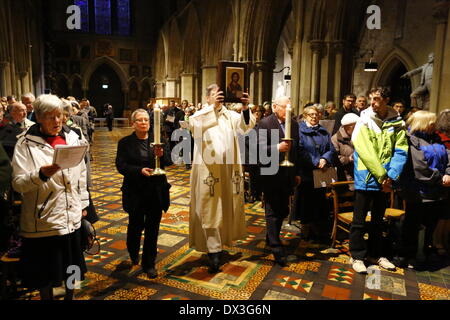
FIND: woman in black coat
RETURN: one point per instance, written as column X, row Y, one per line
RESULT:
column 144, row 196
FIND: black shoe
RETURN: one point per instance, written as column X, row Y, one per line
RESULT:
column 151, row 272
column 134, row 260
column 400, row 262
column 214, row 262
column 281, row 260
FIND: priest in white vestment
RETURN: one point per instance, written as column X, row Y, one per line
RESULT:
column 217, row 215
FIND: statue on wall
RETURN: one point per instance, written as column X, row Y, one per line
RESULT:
column 280, row 90
column 423, row 91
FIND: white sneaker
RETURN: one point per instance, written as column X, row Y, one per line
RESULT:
column 358, row 265
column 386, row 264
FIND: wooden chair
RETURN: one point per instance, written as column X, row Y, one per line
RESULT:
column 343, row 201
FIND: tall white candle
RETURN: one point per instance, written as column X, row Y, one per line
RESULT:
column 287, row 133
column 157, row 124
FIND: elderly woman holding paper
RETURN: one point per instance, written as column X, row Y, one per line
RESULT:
column 54, row 201
column 316, row 153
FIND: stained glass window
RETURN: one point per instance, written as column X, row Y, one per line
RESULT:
column 84, row 8
column 102, row 16
column 123, row 17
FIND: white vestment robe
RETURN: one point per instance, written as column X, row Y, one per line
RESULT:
column 217, row 215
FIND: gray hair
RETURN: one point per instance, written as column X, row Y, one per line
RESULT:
column 28, row 95
column 135, row 113
column 67, row 106
column 211, row 88
column 319, row 107
column 47, row 103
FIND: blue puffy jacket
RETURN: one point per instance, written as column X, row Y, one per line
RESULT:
column 315, row 144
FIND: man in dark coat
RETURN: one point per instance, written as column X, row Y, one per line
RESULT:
column 348, row 105
column 278, row 187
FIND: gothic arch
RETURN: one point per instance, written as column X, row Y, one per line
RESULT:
column 191, row 43
column 390, row 62
column 90, row 69
column 161, row 58
column 174, row 50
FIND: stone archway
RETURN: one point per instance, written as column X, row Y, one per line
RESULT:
column 62, row 86
column 76, row 87
column 92, row 67
column 105, row 86
column 391, row 69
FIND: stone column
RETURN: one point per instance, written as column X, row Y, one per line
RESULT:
column 209, row 76
column 25, row 82
column 338, row 49
column 296, row 71
column 3, row 79
column 316, row 48
column 171, row 88
column 188, row 86
column 160, row 90
column 440, row 87
column 263, row 81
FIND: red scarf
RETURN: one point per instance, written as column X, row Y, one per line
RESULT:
column 54, row 141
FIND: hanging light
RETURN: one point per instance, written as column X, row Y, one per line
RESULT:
column 105, row 82
column 371, row 66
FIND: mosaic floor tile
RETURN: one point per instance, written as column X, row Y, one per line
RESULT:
column 303, row 266
column 387, row 284
column 137, row 293
column 293, row 283
column 429, row 292
column 186, row 270
column 173, row 297
column 115, row 216
column 369, row 296
column 275, row 295
column 247, row 240
column 341, row 275
column 336, row 293
column 94, row 259
column 169, row 240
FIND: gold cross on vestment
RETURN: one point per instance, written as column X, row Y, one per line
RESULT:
column 210, row 182
column 237, row 181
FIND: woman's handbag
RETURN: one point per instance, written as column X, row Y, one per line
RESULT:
column 89, row 238
column 324, row 177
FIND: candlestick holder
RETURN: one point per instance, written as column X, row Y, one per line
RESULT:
column 158, row 171
column 286, row 162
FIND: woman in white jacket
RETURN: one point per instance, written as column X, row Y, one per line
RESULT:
column 54, row 202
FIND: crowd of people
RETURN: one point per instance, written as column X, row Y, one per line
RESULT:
column 378, row 147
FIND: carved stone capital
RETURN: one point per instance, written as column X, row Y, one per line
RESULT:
column 338, row 46
column 317, row 46
column 440, row 11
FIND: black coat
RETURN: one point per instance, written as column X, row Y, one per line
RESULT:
column 284, row 179
column 139, row 190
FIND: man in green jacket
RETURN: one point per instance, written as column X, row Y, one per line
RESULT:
column 381, row 151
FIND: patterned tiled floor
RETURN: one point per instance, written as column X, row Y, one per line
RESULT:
column 314, row 273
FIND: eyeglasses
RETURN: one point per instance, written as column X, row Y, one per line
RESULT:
column 142, row 120
column 312, row 115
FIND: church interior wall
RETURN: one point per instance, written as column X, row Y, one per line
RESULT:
column 412, row 41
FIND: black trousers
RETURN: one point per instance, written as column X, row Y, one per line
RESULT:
column 149, row 221
column 375, row 202
column 276, row 210
column 427, row 214
column 109, row 123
